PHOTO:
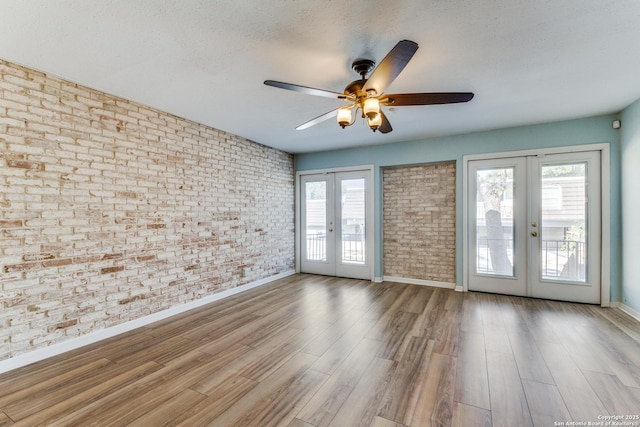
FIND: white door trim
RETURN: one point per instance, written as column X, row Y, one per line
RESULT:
column 604, row 148
column 370, row 209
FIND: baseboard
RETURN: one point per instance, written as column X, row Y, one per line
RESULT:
column 75, row 343
column 378, row 279
column 630, row 311
column 419, row 282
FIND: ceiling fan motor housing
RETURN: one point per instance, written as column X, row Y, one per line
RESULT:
column 355, row 88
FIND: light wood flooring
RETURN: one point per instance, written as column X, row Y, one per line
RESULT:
column 317, row 351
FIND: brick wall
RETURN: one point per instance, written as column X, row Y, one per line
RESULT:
column 110, row 210
column 419, row 222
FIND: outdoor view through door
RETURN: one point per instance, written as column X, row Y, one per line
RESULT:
column 334, row 224
column 536, row 226
column 563, row 220
column 494, row 210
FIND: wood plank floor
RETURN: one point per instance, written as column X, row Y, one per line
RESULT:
column 316, row 351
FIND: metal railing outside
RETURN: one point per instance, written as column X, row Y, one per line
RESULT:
column 564, row 259
column 353, row 247
column 483, row 254
column 317, row 247
column 561, row 259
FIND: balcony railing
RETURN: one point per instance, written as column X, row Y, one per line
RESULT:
column 564, row 259
column 353, row 247
column 317, row 247
column 560, row 259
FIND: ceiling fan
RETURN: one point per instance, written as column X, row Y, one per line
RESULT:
column 367, row 94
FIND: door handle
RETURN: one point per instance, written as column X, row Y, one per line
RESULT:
column 534, row 233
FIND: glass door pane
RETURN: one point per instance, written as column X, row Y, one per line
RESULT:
column 563, row 217
column 316, row 220
column 565, row 227
column 497, row 209
column 535, row 226
column 317, row 240
column 494, row 221
column 335, row 215
column 353, row 211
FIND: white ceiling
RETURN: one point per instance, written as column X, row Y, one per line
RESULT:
column 527, row 61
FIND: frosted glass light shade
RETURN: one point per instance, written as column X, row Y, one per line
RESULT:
column 344, row 116
column 375, row 122
column 371, row 107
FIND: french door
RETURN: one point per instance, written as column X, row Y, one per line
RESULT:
column 336, row 234
column 535, row 226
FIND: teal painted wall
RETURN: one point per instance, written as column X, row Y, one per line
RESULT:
column 630, row 150
column 591, row 130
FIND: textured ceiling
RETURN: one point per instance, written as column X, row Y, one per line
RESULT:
column 527, row 61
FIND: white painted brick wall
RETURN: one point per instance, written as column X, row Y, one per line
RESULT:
column 419, row 222
column 111, row 210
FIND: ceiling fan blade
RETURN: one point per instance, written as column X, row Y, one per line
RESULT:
column 385, row 127
column 389, row 68
column 400, row 99
column 319, row 119
column 307, row 90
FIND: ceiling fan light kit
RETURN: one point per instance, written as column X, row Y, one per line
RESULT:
column 367, row 94
column 371, row 107
column 375, row 122
column 344, row 117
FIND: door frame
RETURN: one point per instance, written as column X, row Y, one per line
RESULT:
column 370, row 228
column 605, row 214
